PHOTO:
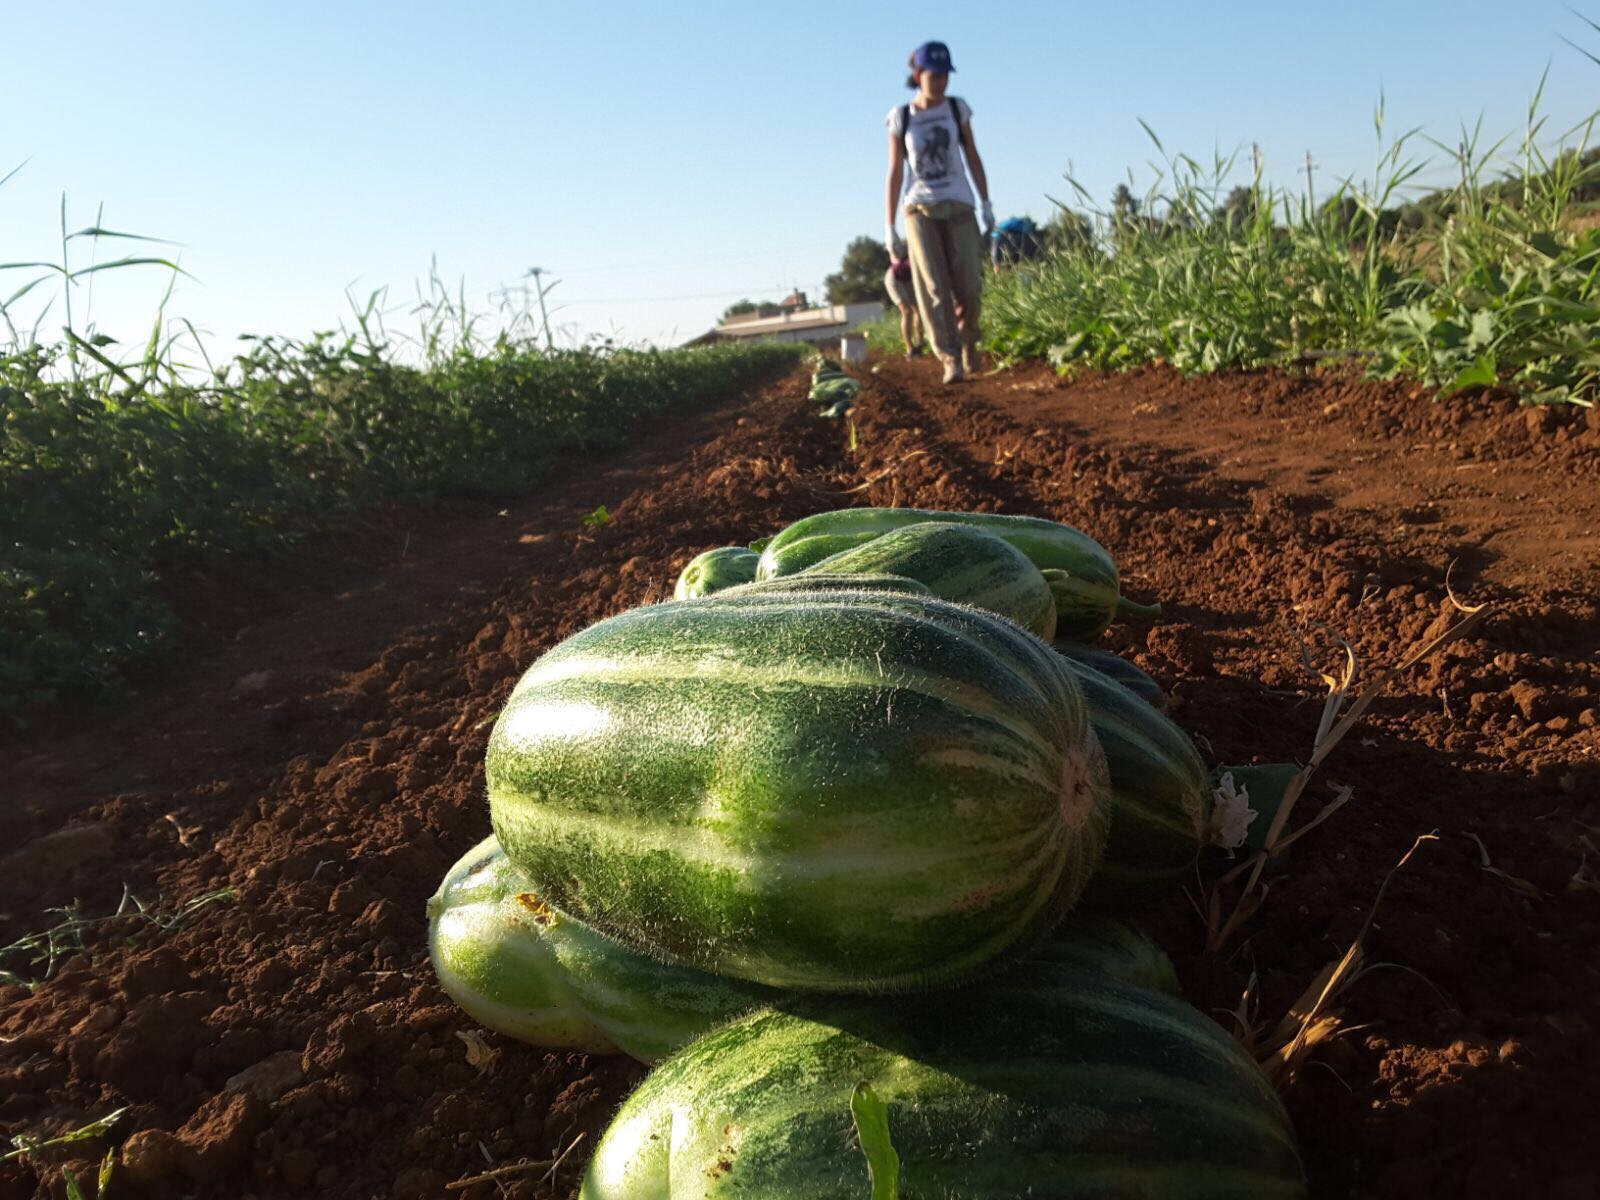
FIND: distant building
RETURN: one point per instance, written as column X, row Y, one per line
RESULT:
column 822, row 327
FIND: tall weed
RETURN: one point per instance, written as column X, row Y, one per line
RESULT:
column 1491, row 282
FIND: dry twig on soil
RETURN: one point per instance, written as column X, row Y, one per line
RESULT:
column 886, row 472
column 1312, row 1019
column 1331, row 730
column 517, row 1168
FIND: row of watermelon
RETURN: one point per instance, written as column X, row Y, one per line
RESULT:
column 1081, row 578
column 861, row 771
column 833, row 389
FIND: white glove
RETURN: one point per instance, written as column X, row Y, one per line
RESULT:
column 988, row 217
column 896, row 243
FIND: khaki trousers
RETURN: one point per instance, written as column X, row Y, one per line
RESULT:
column 947, row 273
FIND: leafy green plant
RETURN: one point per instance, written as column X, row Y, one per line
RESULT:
column 26, row 1146
column 34, row 957
column 103, row 1178
column 1491, row 282
column 82, row 341
column 883, row 335
column 114, row 474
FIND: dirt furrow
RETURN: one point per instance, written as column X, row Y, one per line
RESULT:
column 315, row 976
column 1477, row 1033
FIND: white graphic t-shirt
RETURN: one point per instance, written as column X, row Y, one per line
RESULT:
column 936, row 166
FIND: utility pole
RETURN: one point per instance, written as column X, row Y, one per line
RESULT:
column 1311, row 193
column 538, row 286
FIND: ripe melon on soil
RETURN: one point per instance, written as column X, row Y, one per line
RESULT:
column 822, row 791
column 1049, row 1082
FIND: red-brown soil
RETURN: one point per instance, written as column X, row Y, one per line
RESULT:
column 325, row 760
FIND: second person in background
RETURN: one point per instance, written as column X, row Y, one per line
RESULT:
column 897, row 282
column 931, row 150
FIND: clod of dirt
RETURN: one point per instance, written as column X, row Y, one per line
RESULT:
column 149, row 1157
column 350, row 898
column 99, row 1022
column 155, row 974
column 216, row 1140
column 1539, row 420
column 380, row 919
column 269, row 1078
column 1533, row 702
column 414, row 1183
column 59, row 853
column 337, row 1043
column 1183, row 646
column 155, row 1043
column 234, row 1050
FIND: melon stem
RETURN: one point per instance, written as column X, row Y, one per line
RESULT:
column 1132, row 608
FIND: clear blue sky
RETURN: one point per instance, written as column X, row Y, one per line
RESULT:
column 663, row 160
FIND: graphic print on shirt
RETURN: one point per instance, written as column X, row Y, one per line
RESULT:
column 932, row 144
column 933, row 153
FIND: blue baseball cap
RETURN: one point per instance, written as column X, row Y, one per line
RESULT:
column 932, row 56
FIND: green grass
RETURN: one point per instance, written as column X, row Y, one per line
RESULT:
column 883, row 335
column 27, row 1146
column 33, row 958
column 1492, row 281
column 115, row 473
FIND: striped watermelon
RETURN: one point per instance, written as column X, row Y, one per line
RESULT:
column 1046, row 543
column 1158, row 796
column 1086, row 607
column 1116, row 667
column 824, row 791
column 959, row 563
column 1050, row 545
column 1091, row 942
column 814, row 581
column 533, row 973
column 1047, row 1083
column 716, row 569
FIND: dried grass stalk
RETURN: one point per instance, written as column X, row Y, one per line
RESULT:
column 1336, row 722
column 1312, row 1019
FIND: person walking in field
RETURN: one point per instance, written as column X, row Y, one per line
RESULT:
column 931, row 151
column 897, row 282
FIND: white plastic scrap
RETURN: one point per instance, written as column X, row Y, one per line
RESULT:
column 1231, row 813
